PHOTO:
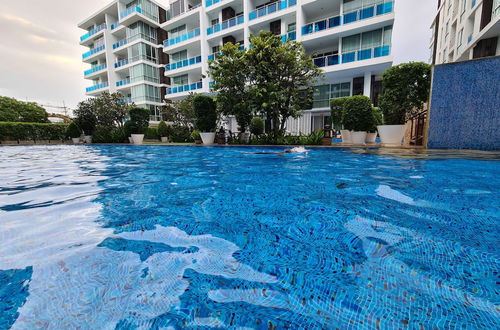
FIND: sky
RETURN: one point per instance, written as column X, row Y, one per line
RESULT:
column 41, row 56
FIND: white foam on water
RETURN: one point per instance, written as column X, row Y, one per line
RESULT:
column 389, row 193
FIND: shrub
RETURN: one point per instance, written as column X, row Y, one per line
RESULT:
column 118, row 135
column 140, row 120
column 313, row 139
column 151, row 133
column 257, row 126
column 206, row 113
column 10, row 131
column 337, row 111
column 358, row 114
column 73, row 131
column 163, row 130
column 180, row 134
column 102, row 134
column 195, row 135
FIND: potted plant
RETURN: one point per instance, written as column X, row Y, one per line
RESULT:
column 195, row 135
column 337, row 112
column 358, row 117
column 406, row 89
column 74, row 132
column 137, row 125
column 206, row 118
column 163, row 131
column 378, row 119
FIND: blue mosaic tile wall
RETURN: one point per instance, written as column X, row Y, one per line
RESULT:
column 465, row 105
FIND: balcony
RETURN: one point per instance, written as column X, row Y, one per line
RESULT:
column 93, row 51
column 290, row 36
column 366, row 54
column 183, row 64
column 185, row 88
column 134, row 59
column 358, row 15
column 97, row 87
column 93, row 32
column 115, row 25
column 213, row 56
column 123, row 82
column 95, row 69
column 121, row 63
column 130, row 11
column 369, row 12
column 120, row 43
column 226, row 24
column 209, row 3
column 186, row 36
column 272, row 8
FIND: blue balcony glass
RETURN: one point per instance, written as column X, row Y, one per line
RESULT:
column 185, row 88
column 97, row 87
column 95, row 69
column 120, row 43
column 320, row 62
column 186, row 36
column 122, row 82
column 271, row 8
column 121, row 63
column 351, row 17
column 308, row 29
column 209, row 3
column 226, row 24
column 385, row 8
column 349, row 57
column 473, row 3
column 364, row 54
column 93, row 32
column 333, row 60
column 115, row 25
column 382, row 51
column 130, row 11
column 334, row 22
column 320, row 26
column 93, row 51
column 183, row 63
column 367, row 13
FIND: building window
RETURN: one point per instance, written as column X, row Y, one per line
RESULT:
column 180, row 80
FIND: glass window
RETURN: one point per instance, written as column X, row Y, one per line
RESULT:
column 371, row 39
column 350, row 43
column 321, row 96
column 180, row 80
column 179, row 56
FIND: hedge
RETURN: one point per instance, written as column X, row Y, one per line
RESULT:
column 12, row 131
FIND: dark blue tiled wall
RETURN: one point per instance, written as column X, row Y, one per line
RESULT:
column 465, row 105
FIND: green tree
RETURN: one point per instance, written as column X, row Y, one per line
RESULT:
column 180, row 113
column 229, row 71
column 406, row 89
column 85, row 116
column 281, row 78
column 110, row 109
column 358, row 113
column 337, row 111
column 257, row 126
column 206, row 113
column 12, row 110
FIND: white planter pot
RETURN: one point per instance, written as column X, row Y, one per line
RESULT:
column 391, row 135
column 130, row 140
column 371, row 137
column 207, row 138
column 346, row 136
column 76, row 140
column 164, row 139
column 358, row 137
column 137, row 138
column 87, row 139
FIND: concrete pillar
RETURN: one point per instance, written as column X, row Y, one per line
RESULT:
column 204, row 24
column 246, row 29
column 300, row 20
column 367, row 90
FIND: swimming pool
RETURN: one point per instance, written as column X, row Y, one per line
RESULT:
column 124, row 237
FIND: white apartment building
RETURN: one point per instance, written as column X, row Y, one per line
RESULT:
column 351, row 40
column 125, row 52
column 465, row 30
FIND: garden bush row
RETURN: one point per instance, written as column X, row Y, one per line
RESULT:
column 12, row 131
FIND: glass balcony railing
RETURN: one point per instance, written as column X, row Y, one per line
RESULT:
column 368, row 12
column 185, row 88
column 213, row 56
column 121, row 63
column 209, row 3
column 290, row 36
column 186, row 36
column 226, row 24
column 183, row 63
column 95, row 69
column 126, row 100
column 327, row 60
column 93, row 32
column 272, row 8
column 120, row 43
column 130, row 11
column 123, row 82
column 93, row 51
column 366, row 54
column 361, row 14
column 115, row 25
column 97, row 87
column 136, row 59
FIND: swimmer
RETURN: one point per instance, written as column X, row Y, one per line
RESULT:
column 296, row 150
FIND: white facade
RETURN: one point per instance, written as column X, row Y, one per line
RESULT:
column 464, row 30
column 351, row 40
column 124, row 43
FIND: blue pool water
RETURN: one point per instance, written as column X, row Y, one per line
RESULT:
column 124, row 237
